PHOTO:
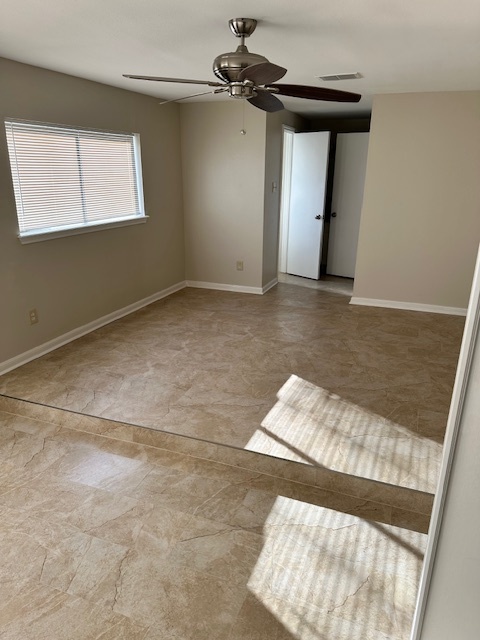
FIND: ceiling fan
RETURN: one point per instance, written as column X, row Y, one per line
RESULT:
column 251, row 76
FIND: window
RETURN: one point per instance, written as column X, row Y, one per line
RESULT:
column 69, row 180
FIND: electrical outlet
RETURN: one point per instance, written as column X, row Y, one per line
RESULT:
column 33, row 313
column 239, row 265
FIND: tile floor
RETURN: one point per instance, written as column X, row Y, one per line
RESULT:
column 111, row 540
column 110, row 531
column 297, row 373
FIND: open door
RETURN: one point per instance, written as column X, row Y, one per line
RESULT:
column 307, row 201
column 347, row 198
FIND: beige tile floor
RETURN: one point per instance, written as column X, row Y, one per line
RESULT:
column 108, row 540
column 109, row 531
column 297, row 373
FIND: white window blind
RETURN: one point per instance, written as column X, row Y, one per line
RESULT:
column 66, row 178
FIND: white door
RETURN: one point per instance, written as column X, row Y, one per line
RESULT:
column 307, row 201
column 347, row 198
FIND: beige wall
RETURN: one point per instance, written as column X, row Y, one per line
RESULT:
column 273, row 173
column 420, row 224
column 72, row 281
column 223, row 178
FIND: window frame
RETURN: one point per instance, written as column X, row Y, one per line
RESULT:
column 48, row 233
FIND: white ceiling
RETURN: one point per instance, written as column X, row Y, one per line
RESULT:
column 397, row 45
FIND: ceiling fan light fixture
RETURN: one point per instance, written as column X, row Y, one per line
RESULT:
column 333, row 77
column 241, row 90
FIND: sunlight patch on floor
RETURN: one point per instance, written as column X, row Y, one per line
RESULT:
column 324, row 574
column 311, row 425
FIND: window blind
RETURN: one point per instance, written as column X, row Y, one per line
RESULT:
column 68, row 178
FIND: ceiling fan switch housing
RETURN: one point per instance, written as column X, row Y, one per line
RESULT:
column 241, row 90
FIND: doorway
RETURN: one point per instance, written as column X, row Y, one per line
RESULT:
column 337, row 167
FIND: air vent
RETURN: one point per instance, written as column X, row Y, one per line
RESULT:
column 340, row 76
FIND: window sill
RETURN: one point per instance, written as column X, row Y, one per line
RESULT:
column 74, row 231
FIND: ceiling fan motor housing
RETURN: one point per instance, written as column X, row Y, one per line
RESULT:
column 227, row 66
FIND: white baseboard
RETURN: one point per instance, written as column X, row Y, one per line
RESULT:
column 269, row 285
column 409, row 306
column 218, row 286
column 42, row 349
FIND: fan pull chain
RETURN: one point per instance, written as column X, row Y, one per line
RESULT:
column 243, row 131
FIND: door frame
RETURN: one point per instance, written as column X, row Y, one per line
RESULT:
column 285, row 189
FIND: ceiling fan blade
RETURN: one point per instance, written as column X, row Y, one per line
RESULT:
column 266, row 101
column 262, row 73
column 194, row 95
column 181, row 80
column 314, row 93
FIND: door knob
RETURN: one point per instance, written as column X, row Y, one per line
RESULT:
column 319, row 217
column 334, row 214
